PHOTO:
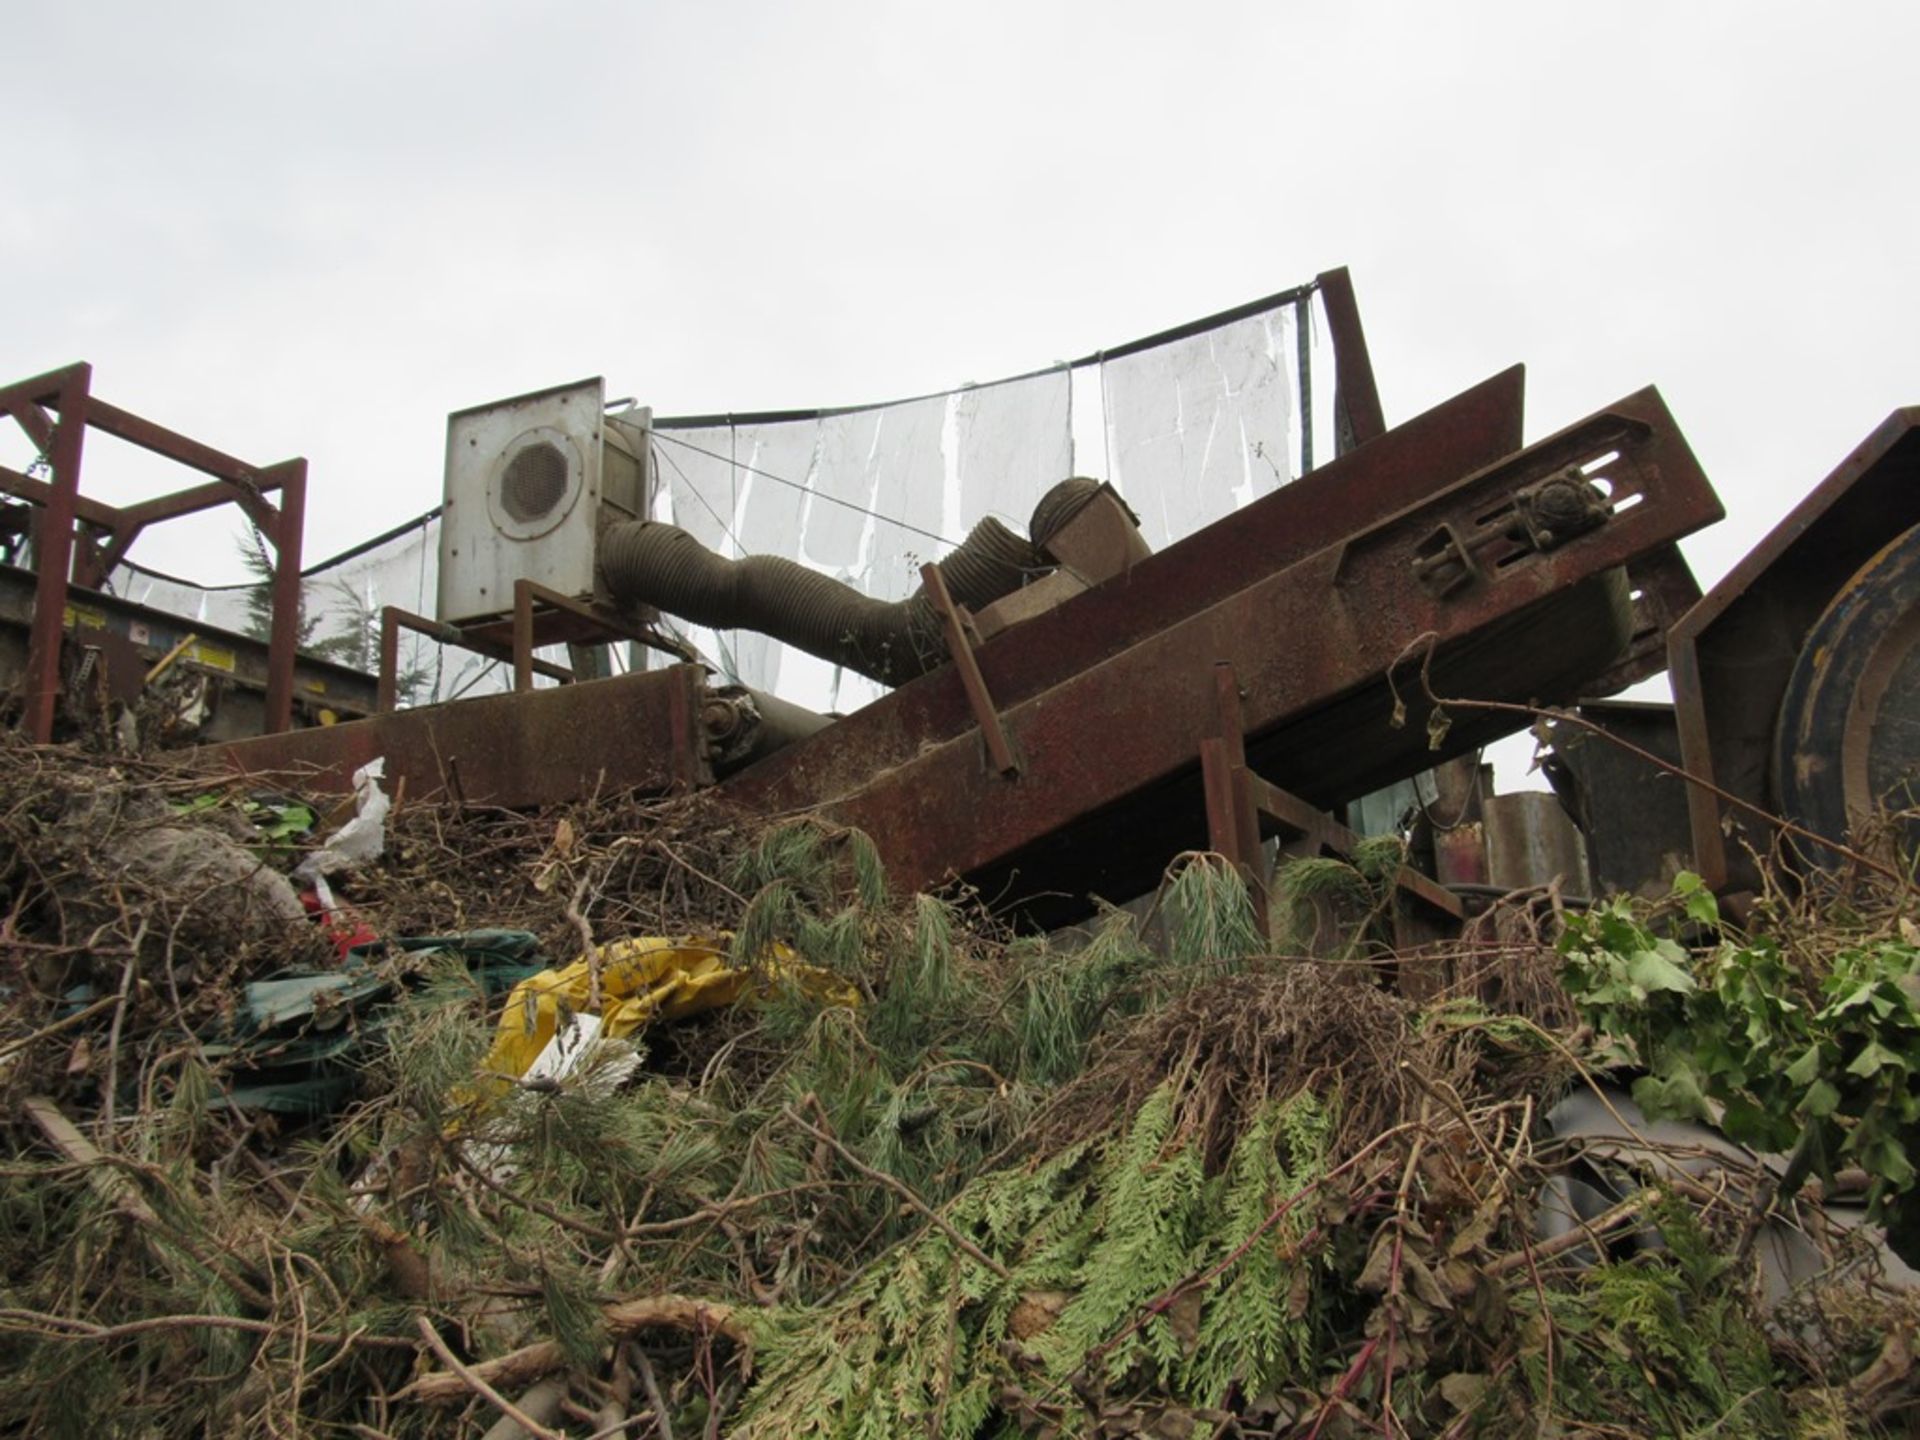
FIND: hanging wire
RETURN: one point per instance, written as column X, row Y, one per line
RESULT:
column 694, row 490
column 795, row 485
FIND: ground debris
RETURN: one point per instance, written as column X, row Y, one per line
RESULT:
column 960, row 1182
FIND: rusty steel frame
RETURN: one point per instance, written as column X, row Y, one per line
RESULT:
column 569, row 619
column 525, row 629
column 1732, row 654
column 512, row 750
column 393, row 620
column 63, row 558
column 565, row 618
column 1239, row 800
column 1309, row 626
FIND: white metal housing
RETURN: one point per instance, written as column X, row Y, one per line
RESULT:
column 529, row 483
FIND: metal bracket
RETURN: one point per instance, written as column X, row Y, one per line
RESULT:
column 1443, row 563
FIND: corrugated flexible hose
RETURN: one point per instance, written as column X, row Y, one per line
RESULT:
column 649, row 563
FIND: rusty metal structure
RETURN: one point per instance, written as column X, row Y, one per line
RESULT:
column 1794, row 680
column 78, row 540
column 1233, row 691
column 1314, row 596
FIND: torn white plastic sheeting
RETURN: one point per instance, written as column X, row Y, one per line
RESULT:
column 1199, row 427
column 361, row 839
column 576, row 1047
column 866, row 497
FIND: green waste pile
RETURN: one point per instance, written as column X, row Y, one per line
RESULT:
column 1155, row 1179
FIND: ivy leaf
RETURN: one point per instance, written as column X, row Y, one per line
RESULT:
column 1671, row 1097
column 1696, row 899
column 1752, row 1124
column 1653, row 971
column 1861, row 995
column 1820, row 1101
column 1875, row 1058
column 1887, row 1157
column 1803, row 1070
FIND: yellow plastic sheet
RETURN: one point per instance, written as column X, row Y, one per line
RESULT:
column 641, row 980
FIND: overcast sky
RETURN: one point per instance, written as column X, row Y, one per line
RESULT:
column 316, row 229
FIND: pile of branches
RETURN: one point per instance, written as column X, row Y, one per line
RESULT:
column 1149, row 1179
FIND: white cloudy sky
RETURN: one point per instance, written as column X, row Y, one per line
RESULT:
column 316, row 229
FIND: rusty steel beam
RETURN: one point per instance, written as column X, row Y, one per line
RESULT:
column 1356, row 397
column 1241, row 816
column 638, row 732
column 246, row 494
column 1663, row 590
column 1109, row 785
column 1326, row 835
column 960, row 647
column 87, row 509
column 53, row 551
column 393, row 620
column 284, row 631
column 1410, row 462
column 35, row 421
column 182, row 449
column 42, row 390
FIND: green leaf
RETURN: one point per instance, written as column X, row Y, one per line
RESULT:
column 1653, row 971
column 1861, row 995
column 1887, row 1158
column 1873, row 1059
column 1695, row 898
column 1806, row 1068
column 1671, row 1097
column 1821, row 1100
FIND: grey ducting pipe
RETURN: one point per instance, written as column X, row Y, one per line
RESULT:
column 645, row 562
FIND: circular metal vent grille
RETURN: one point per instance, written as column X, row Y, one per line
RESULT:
column 534, row 483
